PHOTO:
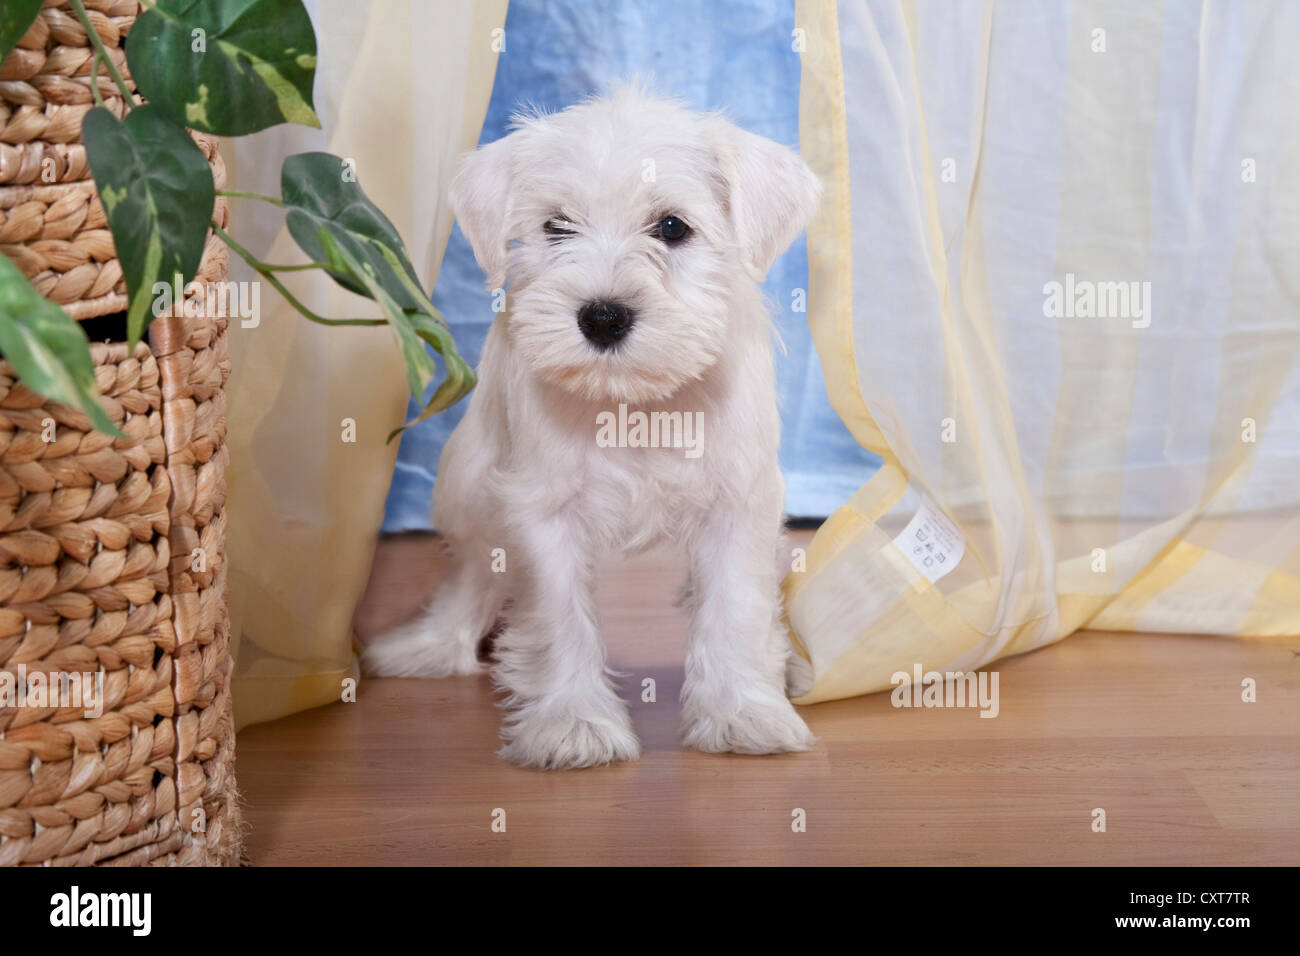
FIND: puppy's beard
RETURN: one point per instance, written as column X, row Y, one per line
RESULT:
column 595, row 384
column 660, row 354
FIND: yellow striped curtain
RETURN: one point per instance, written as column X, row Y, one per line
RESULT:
column 402, row 87
column 1055, row 284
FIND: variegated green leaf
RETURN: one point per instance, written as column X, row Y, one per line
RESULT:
column 413, row 329
column 227, row 67
column 157, row 191
column 47, row 349
column 321, row 191
column 430, row 327
column 459, row 378
column 16, row 18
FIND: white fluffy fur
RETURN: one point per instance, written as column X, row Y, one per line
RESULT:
column 523, row 471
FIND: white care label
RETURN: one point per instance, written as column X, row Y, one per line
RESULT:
column 931, row 542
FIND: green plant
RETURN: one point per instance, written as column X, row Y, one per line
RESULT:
column 225, row 67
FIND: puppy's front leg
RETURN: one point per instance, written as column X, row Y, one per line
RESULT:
column 733, row 698
column 562, row 708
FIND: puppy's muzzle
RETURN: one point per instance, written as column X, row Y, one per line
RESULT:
column 605, row 323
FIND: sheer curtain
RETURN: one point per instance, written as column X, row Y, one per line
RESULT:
column 1055, row 284
column 402, row 88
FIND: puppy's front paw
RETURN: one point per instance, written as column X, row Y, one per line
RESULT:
column 412, row 650
column 549, row 739
column 760, row 725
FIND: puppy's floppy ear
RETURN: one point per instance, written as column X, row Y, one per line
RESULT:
column 771, row 192
column 480, row 196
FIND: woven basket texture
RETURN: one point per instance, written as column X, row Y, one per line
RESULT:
column 45, row 91
column 112, row 550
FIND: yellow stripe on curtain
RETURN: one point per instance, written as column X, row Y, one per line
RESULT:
column 410, row 83
column 1053, row 285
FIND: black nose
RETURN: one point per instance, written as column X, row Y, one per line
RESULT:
column 605, row 323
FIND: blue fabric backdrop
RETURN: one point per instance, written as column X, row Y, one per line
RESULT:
column 737, row 57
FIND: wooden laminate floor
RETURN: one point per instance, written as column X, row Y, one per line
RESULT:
column 1150, row 728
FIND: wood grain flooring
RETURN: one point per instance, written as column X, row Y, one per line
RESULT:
column 1151, row 728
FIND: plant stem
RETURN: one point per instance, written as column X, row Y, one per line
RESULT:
column 264, row 270
column 94, row 80
column 237, row 194
column 79, row 9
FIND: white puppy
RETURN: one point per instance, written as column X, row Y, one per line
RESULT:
column 634, row 234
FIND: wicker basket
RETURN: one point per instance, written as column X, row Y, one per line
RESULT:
column 58, row 237
column 112, row 552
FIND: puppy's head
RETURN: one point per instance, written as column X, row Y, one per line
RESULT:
column 623, row 226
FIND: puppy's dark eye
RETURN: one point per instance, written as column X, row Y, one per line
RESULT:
column 557, row 227
column 672, row 230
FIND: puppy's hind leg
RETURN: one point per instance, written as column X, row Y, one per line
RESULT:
column 443, row 638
